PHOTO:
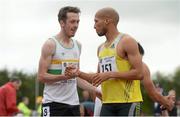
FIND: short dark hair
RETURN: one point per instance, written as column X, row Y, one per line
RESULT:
column 15, row 80
column 141, row 50
column 62, row 15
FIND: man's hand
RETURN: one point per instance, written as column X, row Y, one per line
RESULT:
column 170, row 103
column 98, row 78
column 72, row 71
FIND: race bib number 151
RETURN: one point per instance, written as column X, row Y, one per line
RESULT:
column 107, row 64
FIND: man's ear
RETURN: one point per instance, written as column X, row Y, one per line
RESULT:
column 107, row 21
column 62, row 23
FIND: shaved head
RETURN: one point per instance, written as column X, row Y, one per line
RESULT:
column 108, row 13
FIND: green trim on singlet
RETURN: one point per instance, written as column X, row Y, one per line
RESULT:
column 138, row 109
column 54, row 71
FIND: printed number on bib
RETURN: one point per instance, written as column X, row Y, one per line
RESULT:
column 107, row 64
column 46, row 111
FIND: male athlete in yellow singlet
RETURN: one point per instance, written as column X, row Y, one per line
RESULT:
column 119, row 68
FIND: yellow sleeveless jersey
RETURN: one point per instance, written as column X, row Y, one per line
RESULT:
column 117, row 90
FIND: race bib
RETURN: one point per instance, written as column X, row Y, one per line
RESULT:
column 107, row 64
column 65, row 64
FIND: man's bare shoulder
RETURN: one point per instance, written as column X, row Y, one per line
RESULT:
column 48, row 46
column 49, row 42
column 128, row 39
column 79, row 44
column 128, row 44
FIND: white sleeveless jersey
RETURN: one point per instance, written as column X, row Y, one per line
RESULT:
column 64, row 91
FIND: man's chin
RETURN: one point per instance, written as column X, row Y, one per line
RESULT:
column 72, row 35
column 100, row 35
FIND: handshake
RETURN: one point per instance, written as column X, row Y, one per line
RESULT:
column 72, row 71
column 95, row 78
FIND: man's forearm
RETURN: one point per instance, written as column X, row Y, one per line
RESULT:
column 85, row 76
column 153, row 94
column 129, row 75
column 162, row 100
column 50, row 78
column 85, row 85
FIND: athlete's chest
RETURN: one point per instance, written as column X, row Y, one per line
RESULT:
column 116, row 52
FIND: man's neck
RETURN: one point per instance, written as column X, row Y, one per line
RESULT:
column 111, row 34
column 64, row 40
column 61, row 36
